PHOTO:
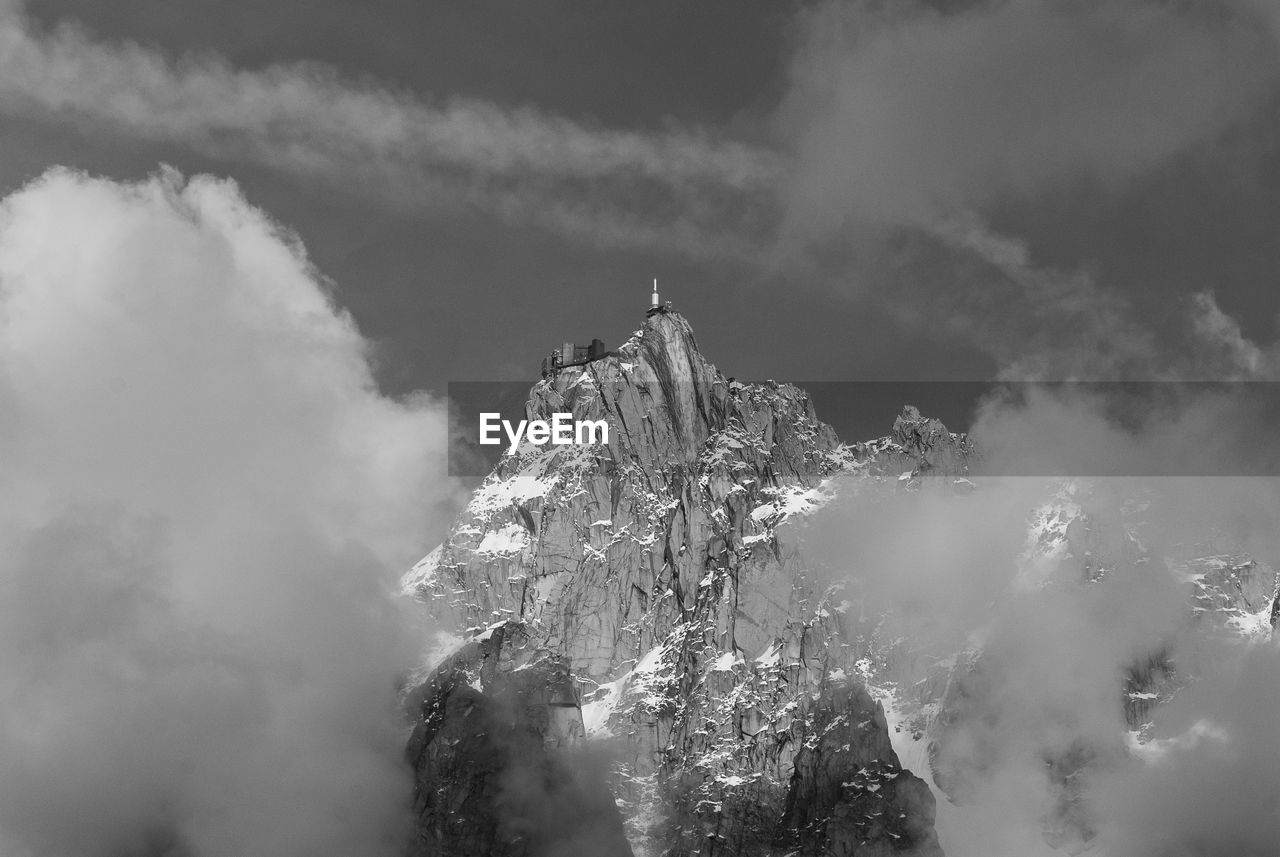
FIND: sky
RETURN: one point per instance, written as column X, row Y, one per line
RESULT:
column 829, row 191
column 244, row 247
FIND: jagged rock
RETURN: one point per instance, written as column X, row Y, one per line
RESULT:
column 928, row 445
column 845, row 798
column 664, row 569
column 663, row 577
column 493, row 755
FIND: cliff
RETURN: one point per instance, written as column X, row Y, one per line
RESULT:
column 658, row 580
column 647, row 636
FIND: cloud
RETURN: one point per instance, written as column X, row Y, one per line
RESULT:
column 1033, row 747
column 913, row 117
column 206, row 506
column 1213, row 792
column 910, row 115
column 966, row 283
column 911, row 127
column 681, row 187
column 1036, row 321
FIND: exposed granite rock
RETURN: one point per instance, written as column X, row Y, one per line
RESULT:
column 845, row 798
column 664, row 570
column 497, row 753
column 740, row 700
column 928, row 448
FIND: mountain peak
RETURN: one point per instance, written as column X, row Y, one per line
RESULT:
column 659, row 568
column 661, row 397
column 667, row 328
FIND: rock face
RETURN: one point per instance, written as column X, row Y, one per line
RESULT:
column 494, row 752
column 653, row 665
column 657, row 589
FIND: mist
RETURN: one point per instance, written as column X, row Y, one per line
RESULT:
column 1034, row 753
column 206, row 505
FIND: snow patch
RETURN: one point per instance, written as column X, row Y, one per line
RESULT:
column 423, row 572
column 1252, row 624
column 772, row 656
column 487, row 633
column 608, row 696
column 512, row 538
column 596, row 714
column 725, row 662
column 791, row 500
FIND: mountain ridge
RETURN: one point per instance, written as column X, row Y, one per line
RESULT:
column 660, row 568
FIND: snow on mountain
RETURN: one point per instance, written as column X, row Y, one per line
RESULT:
column 749, row 703
column 662, row 569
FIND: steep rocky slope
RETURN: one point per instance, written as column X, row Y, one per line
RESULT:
column 658, row 584
column 644, row 619
column 496, row 754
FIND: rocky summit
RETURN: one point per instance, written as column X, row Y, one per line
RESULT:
column 647, row 663
column 656, row 650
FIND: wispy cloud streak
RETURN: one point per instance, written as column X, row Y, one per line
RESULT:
column 681, row 185
column 898, row 135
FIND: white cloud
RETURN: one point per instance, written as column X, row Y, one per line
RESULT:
column 911, row 115
column 206, row 504
column 942, row 574
column 614, row 186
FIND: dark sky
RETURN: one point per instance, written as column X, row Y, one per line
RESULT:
column 826, row 191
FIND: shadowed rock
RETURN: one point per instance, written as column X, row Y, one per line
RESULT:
column 499, row 762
